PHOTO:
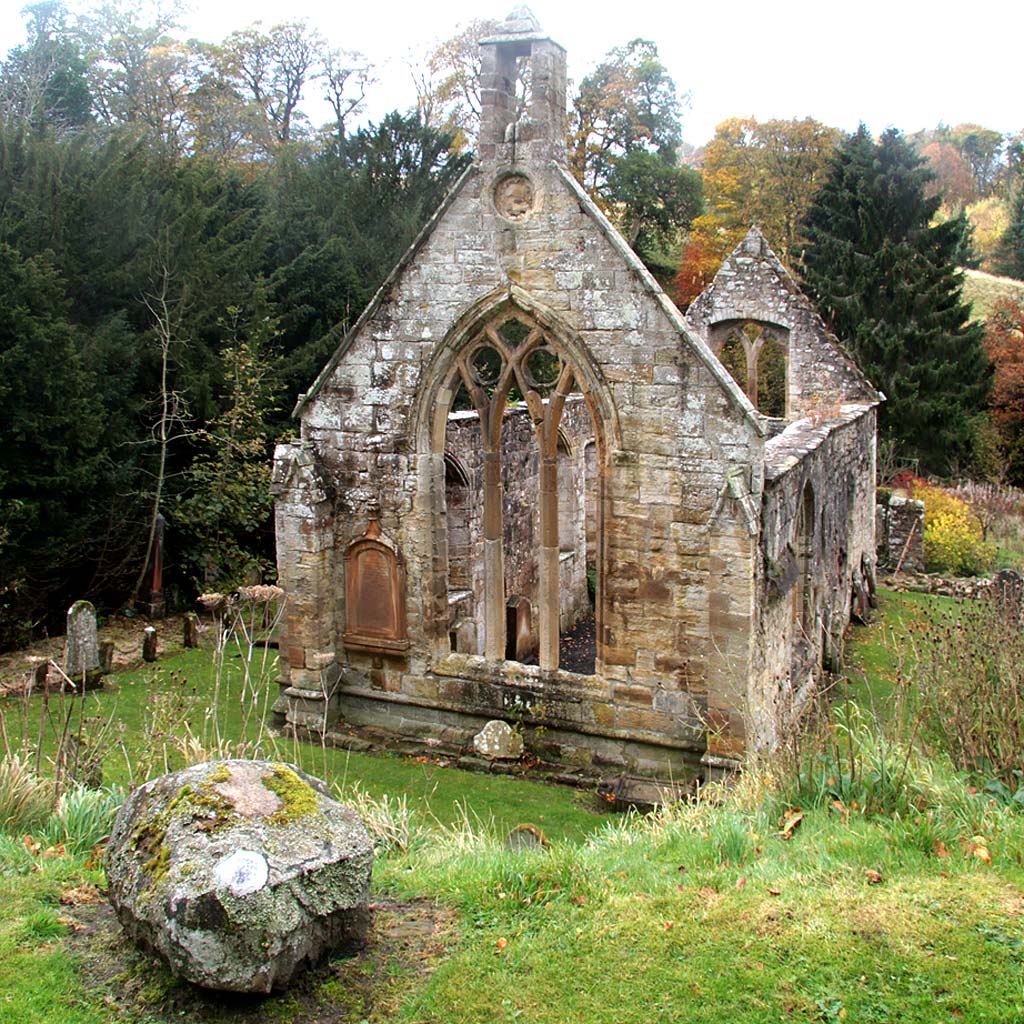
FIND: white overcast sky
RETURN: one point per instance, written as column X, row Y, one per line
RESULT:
column 903, row 63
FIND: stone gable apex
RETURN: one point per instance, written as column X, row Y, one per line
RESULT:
column 752, row 284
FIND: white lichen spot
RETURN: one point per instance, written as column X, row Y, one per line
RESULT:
column 243, row 872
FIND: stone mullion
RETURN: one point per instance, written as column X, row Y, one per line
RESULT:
column 550, row 550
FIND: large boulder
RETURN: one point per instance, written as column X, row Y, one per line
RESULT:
column 239, row 873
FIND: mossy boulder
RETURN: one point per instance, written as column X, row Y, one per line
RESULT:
column 239, row 873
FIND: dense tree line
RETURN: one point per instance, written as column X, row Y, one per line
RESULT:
column 887, row 278
column 181, row 248
column 158, row 316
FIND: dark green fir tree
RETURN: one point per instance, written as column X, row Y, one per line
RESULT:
column 888, row 282
column 1010, row 253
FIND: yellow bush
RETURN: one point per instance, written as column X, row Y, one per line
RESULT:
column 952, row 534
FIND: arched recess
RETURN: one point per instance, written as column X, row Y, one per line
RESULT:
column 505, row 347
column 803, row 601
column 458, row 496
column 756, row 354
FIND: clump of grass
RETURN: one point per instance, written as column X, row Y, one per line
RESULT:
column 392, row 825
column 82, row 819
column 25, row 798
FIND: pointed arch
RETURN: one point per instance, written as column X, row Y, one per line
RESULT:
column 507, row 343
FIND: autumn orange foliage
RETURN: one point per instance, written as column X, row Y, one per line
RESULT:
column 1004, row 344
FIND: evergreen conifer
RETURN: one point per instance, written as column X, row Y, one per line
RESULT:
column 1010, row 254
column 887, row 280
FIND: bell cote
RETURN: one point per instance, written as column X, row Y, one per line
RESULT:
column 517, row 128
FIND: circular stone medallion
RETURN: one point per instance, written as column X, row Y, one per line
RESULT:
column 513, row 197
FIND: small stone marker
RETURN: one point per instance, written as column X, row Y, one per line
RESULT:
column 81, row 649
column 149, row 644
column 107, row 657
column 41, row 673
column 526, row 837
column 190, row 630
column 498, row 741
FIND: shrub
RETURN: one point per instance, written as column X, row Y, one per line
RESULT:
column 953, row 536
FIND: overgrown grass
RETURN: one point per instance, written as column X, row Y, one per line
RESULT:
column 158, row 717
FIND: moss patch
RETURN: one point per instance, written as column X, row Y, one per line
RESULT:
column 298, row 798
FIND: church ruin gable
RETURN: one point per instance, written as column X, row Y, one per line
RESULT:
column 540, row 441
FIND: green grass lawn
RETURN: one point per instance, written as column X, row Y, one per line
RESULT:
column 705, row 913
column 137, row 718
column 873, row 656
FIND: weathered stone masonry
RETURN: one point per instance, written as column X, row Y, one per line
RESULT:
column 725, row 563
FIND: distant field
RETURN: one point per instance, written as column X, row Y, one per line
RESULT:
column 983, row 291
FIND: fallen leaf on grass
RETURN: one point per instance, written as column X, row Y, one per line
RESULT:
column 79, row 895
column 790, row 822
column 501, row 944
column 939, row 848
column 979, row 849
column 668, row 925
column 874, row 877
column 774, row 892
column 740, row 882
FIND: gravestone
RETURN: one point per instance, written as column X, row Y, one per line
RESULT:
column 190, row 630
column 526, row 837
column 81, row 647
column 498, row 741
column 107, row 657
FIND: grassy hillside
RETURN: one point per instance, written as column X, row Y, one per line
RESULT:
column 983, row 291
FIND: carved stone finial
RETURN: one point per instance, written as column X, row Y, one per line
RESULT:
column 373, row 516
column 521, row 19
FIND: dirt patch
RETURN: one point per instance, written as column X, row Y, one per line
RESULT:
column 406, row 940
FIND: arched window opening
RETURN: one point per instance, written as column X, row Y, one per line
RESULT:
column 756, row 356
column 516, row 533
column 462, row 529
column 733, row 356
column 771, row 379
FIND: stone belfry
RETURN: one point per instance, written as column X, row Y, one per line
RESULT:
column 538, row 132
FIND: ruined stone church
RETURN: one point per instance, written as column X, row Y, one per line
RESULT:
column 522, row 449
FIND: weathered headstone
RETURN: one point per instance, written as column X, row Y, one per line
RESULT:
column 498, row 741
column 149, row 644
column 41, row 674
column 106, row 656
column 526, row 837
column 190, row 630
column 239, row 873
column 81, row 648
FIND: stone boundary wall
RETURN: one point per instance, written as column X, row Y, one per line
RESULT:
column 899, row 533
